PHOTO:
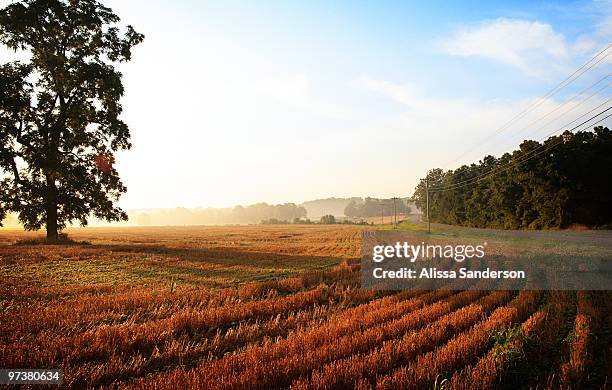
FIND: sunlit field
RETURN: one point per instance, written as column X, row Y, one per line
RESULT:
column 280, row 307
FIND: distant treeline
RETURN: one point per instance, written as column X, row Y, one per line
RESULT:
column 212, row 216
column 324, row 220
column 334, row 206
column 565, row 180
column 372, row 207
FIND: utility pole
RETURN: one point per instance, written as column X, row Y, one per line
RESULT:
column 382, row 213
column 394, row 212
column 427, row 202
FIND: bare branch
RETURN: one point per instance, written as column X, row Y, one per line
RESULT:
column 15, row 171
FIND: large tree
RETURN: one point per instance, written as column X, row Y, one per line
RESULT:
column 60, row 112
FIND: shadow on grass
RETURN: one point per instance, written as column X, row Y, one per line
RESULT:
column 227, row 257
column 62, row 239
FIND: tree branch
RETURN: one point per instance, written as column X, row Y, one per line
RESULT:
column 20, row 137
column 50, row 113
column 65, row 152
column 15, row 171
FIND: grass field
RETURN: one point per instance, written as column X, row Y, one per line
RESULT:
column 280, row 306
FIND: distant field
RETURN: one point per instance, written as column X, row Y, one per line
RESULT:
column 279, row 306
column 189, row 256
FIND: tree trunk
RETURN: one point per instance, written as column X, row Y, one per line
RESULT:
column 51, row 225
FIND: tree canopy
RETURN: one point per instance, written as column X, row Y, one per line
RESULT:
column 60, row 112
column 328, row 219
column 371, row 207
column 565, row 180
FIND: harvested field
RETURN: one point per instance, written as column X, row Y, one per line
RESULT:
column 247, row 307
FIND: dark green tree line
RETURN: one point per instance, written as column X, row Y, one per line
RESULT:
column 569, row 181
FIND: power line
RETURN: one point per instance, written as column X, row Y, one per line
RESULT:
column 523, row 158
column 570, row 109
column 548, row 147
column 550, row 134
column 567, row 81
column 552, row 145
column 525, row 127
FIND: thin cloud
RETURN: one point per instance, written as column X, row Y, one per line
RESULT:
column 519, row 43
column 470, row 122
column 414, row 102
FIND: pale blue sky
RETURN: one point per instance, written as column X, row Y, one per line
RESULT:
column 237, row 102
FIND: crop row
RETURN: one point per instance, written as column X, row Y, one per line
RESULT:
column 461, row 349
column 143, row 338
column 254, row 362
column 586, row 324
column 517, row 345
column 139, row 305
column 185, row 350
column 280, row 373
column 348, row 372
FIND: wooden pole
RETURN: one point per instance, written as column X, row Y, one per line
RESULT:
column 427, row 201
column 394, row 212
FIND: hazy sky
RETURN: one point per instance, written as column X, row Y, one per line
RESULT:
column 238, row 102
